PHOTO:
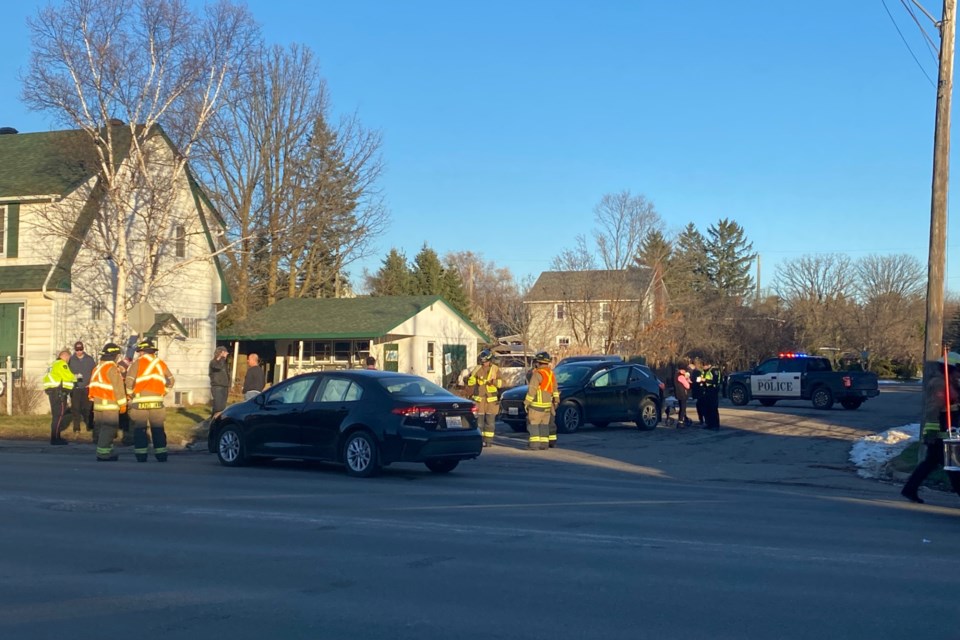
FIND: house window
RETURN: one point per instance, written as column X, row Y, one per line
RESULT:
column 563, row 342
column 181, row 239
column 558, row 311
column 431, row 356
column 342, row 351
column 193, row 327
column 604, row 312
column 97, row 310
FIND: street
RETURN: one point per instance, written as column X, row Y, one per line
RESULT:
column 760, row 531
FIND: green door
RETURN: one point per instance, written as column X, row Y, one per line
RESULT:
column 454, row 361
column 10, row 333
column 391, row 357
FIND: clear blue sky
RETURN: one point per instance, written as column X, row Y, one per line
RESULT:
column 504, row 123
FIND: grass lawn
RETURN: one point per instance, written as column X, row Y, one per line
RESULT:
column 181, row 424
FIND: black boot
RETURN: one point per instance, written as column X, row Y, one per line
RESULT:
column 911, row 495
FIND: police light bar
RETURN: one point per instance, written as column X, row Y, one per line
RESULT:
column 790, row 354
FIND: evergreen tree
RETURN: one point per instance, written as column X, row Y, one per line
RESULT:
column 427, row 273
column 729, row 257
column 452, row 292
column 689, row 258
column 393, row 278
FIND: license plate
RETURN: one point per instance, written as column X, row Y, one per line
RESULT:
column 454, row 422
column 513, row 411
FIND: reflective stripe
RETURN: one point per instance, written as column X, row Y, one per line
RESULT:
column 141, row 451
column 159, row 449
column 105, row 406
column 104, row 451
column 489, row 434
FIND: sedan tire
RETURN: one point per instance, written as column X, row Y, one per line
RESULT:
column 648, row 415
column 230, row 447
column 360, row 455
column 568, row 417
column 442, row 465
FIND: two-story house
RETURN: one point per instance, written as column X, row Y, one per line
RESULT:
column 56, row 284
column 597, row 311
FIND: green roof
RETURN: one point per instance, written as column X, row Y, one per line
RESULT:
column 31, row 278
column 330, row 318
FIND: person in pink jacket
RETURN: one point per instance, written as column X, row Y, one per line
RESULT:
column 682, row 392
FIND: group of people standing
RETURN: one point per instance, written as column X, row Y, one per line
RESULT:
column 101, row 393
column 701, row 382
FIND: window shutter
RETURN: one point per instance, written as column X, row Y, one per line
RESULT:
column 13, row 229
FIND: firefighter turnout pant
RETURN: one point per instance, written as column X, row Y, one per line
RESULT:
column 107, row 423
column 487, row 421
column 58, row 409
column 538, row 426
column 140, row 419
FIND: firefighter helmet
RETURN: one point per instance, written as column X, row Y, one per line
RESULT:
column 110, row 351
column 148, row 345
column 485, row 356
column 542, row 357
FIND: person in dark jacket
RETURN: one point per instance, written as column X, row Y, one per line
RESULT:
column 255, row 380
column 681, row 389
column 219, row 380
column 81, row 409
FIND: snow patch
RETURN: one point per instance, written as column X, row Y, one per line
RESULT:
column 871, row 453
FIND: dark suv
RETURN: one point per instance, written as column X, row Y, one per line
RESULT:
column 594, row 392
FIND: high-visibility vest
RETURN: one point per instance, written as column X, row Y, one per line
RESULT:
column 546, row 392
column 103, row 388
column 486, row 386
column 151, row 378
column 59, row 375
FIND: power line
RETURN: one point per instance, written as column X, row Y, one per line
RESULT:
column 907, row 44
column 934, row 53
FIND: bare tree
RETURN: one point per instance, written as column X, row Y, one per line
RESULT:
column 818, row 290
column 622, row 222
column 492, row 291
column 116, row 70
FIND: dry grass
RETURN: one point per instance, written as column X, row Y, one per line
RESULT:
column 181, row 425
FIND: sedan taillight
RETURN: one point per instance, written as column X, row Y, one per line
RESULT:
column 414, row 412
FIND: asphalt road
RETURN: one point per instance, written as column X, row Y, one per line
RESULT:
column 759, row 531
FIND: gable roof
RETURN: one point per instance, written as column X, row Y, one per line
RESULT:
column 329, row 318
column 30, row 278
column 598, row 285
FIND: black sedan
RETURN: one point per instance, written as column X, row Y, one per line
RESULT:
column 364, row 419
column 594, row 392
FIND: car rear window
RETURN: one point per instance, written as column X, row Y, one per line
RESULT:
column 411, row 387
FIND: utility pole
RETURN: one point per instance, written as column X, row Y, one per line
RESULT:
column 933, row 341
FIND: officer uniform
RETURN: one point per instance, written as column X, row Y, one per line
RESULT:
column 541, row 403
column 710, row 397
column 57, row 384
column 109, row 398
column 147, row 382
column 486, row 383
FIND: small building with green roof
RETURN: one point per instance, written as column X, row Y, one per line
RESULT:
column 422, row 335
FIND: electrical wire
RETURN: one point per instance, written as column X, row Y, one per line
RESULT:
column 907, row 44
column 935, row 54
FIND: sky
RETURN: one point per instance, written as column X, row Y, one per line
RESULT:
column 505, row 123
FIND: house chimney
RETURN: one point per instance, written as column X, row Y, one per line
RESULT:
column 5, row 131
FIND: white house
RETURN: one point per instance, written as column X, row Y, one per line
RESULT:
column 56, row 288
column 422, row 335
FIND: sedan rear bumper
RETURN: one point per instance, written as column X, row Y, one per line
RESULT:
column 420, row 445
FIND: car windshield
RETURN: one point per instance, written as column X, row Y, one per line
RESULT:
column 410, row 387
column 570, row 374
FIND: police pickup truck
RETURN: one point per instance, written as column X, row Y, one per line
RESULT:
column 797, row 376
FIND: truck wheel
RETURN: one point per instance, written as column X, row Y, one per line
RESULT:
column 737, row 394
column 822, row 398
column 851, row 403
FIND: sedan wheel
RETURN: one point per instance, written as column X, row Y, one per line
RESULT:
column 568, row 418
column 649, row 414
column 360, row 454
column 230, row 447
column 442, row 465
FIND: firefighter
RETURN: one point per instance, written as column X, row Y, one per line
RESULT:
column 58, row 383
column 541, row 403
column 109, row 399
column 148, row 380
column 486, row 384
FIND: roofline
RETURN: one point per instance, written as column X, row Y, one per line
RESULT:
column 301, row 336
column 42, row 198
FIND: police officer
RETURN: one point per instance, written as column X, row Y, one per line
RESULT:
column 147, row 382
column 710, row 396
column 541, row 403
column 486, row 384
column 109, row 398
column 57, row 384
